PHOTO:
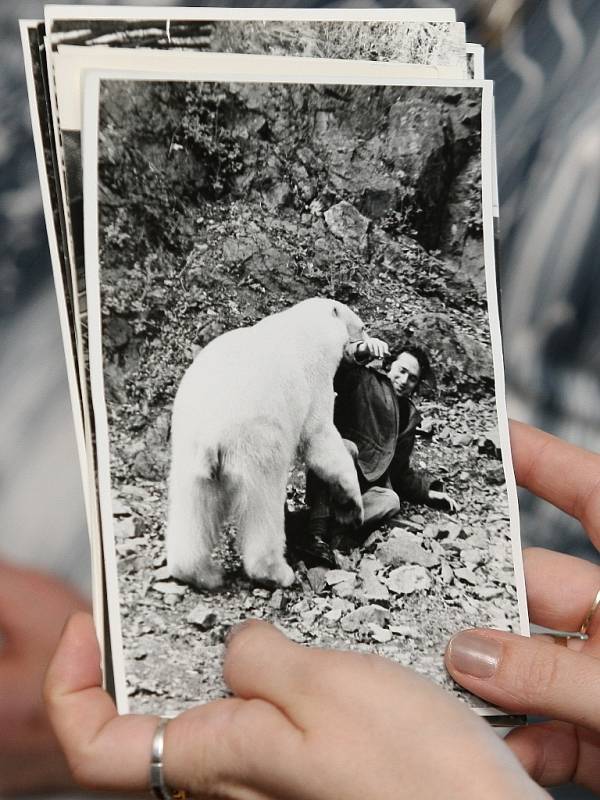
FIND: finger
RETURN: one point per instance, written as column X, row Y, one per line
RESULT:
column 555, row 753
column 524, row 675
column 565, row 475
column 263, row 663
column 548, row 751
column 560, row 589
column 104, row 751
column 17, row 613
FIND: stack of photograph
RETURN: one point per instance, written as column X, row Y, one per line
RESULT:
column 273, row 242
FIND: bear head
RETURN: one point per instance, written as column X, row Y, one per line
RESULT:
column 318, row 311
column 354, row 325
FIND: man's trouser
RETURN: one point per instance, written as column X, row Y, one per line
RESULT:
column 379, row 503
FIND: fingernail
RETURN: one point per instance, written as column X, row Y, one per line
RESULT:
column 235, row 629
column 474, row 655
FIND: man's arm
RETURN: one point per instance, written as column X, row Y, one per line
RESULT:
column 418, row 486
column 440, row 499
column 364, row 351
column 408, row 483
column 357, row 354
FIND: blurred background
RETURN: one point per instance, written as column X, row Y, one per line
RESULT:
column 544, row 56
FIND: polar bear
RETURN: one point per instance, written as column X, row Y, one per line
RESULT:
column 251, row 400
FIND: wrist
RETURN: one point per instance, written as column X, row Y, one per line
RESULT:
column 361, row 353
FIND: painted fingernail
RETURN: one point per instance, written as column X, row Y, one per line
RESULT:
column 474, row 655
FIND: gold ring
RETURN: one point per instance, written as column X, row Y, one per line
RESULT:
column 589, row 616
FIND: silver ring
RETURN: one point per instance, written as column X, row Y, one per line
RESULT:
column 158, row 786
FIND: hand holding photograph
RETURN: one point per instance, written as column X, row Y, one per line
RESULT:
column 282, row 332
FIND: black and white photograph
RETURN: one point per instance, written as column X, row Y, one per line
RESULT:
column 292, row 353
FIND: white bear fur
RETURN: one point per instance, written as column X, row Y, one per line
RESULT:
column 250, row 401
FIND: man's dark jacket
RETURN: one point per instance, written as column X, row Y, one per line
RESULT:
column 383, row 427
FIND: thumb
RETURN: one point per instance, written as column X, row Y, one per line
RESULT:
column 524, row 675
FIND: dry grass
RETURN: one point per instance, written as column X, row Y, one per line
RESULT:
column 437, row 44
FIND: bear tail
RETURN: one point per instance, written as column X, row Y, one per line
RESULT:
column 202, row 499
column 222, row 489
column 233, row 478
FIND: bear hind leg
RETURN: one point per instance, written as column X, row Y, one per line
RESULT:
column 192, row 530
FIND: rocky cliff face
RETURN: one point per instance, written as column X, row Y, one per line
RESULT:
column 405, row 158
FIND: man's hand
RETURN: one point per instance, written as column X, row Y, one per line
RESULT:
column 442, row 501
column 371, row 348
column 33, row 611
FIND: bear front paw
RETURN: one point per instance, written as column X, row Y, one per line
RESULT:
column 349, row 512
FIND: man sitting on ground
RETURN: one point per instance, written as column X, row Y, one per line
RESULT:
column 378, row 420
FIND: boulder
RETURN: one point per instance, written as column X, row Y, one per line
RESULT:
column 404, row 547
column 124, row 528
column 202, row 617
column 348, row 224
column 279, row 195
column 408, row 579
column 379, row 634
column 371, row 587
column 446, row 573
column 494, row 475
column 341, row 581
column 488, row 444
column 467, row 575
column 277, row 600
column 364, row 615
column 169, row 587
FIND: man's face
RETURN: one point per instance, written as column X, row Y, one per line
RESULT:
column 405, row 374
